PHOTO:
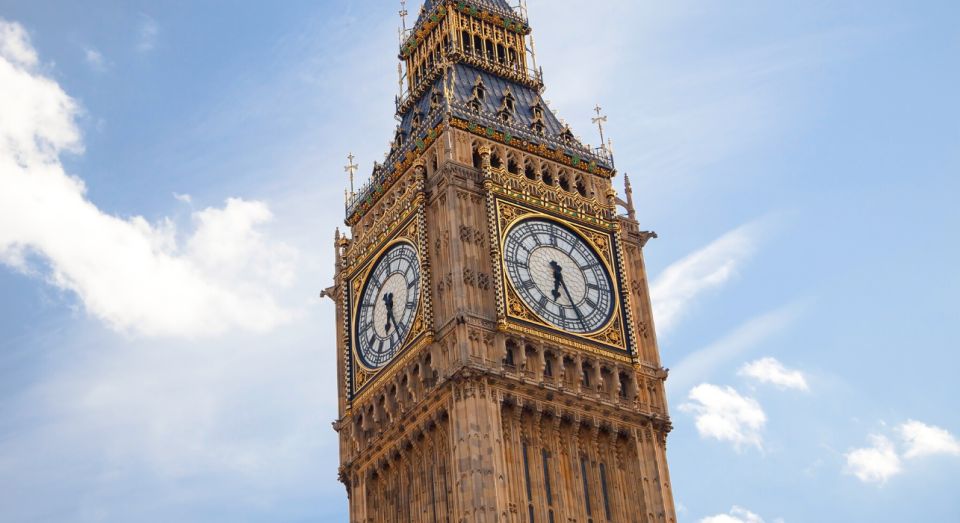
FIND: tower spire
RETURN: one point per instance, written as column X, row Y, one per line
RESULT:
column 599, row 121
column 351, row 169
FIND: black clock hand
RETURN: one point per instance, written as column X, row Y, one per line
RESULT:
column 395, row 326
column 388, row 301
column 576, row 309
column 557, row 279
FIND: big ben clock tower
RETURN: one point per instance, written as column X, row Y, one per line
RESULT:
column 496, row 350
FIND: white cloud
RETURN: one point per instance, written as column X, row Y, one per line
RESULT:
column 132, row 274
column 875, row 464
column 676, row 289
column 15, row 44
column 723, row 414
column 736, row 515
column 95, row 59
column 147, row 34
column 699, row 365
column 926, row 440
column 769, row 370
column 183, row 198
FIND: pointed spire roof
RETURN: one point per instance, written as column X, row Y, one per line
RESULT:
column 496, row 4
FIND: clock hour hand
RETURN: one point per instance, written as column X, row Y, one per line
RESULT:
column 388, row 301
column 558, row 283
column 557, row 279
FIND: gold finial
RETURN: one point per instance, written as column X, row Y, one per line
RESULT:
column 351, row 169
column 599, row 121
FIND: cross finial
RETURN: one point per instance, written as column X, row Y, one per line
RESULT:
column 600, row 120
column 403, row 14
column 351, row 169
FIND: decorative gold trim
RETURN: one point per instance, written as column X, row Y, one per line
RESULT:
column 363, row 279
column 509, row 215
column 408, row 227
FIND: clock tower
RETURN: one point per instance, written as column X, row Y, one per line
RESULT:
column 496, row 354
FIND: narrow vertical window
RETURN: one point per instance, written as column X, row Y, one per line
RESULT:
column 586, row 485
column 603, row 487
column 433, row 495
column 546, row 476
column 526, row 476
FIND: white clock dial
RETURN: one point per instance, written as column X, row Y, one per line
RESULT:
column 559, row 276
column 388, row 306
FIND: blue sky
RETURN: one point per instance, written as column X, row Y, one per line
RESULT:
column 171, row 175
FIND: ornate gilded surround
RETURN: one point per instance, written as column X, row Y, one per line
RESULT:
column 408, row 225
column 512, row 199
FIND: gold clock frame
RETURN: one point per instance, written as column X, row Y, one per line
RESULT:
column 357, row 287
column 603, row 255
column 407, row 226
column 514, row 315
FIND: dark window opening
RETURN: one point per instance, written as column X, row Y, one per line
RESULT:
column 508, row 360
column 526, row 472
column 477, row 160
column 603, row 487
column 548, row 369
column 529, row 172
column 547, row 178
column 586, row 485
column 586, row 376
column 546, row 476
column 564, row 182
column 512, row 166
column 581, row 188
column 495, row 161
column 466, row 41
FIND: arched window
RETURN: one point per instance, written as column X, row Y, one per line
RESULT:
column 512, row 166
column 467, row 42
column 547, row 175
column 477, row 159
column 581, row 187
column 529, row 171
column 564, row 181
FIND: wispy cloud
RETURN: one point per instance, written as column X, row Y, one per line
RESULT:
column 15, row 44
column 770, row 370
column 147, row 34
column 699, row 365
column 876, row 463
column 881, row 461
column 135, row 276
column 725, row 415
column 677, row 288
column 737, row 515
column 95, row 59
column 924, row 440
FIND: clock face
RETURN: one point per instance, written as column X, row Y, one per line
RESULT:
column 559, row 276
column 388, row 305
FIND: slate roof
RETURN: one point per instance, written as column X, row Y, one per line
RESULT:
column 496, row 4
column 496, row 87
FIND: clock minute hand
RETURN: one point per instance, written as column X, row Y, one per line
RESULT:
column 574, row 305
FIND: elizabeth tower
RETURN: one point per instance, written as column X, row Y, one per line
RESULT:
column 497, row 359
